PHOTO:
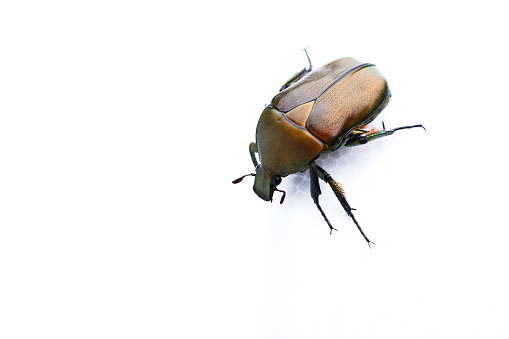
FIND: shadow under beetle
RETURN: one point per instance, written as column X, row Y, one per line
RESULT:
column 317, row 112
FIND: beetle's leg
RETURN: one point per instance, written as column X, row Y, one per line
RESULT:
column 360, row 137
column 341, row 197
column 252, row 150
column 315, row 191
column 297, row 76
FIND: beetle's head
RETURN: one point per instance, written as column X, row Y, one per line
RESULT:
column 265, row 184
column 284, row 148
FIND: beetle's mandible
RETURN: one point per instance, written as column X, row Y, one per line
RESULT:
column 317, row 112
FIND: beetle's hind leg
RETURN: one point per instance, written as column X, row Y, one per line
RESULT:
column 315, row 191
column 338, row 191
column 360, row 136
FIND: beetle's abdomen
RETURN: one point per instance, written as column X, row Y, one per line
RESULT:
column 312, row 85
column 354, row 100
column 346, row 94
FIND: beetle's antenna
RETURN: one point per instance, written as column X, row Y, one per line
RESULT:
column 236, row 181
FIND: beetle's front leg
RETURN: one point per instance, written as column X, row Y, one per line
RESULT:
column 315, row 191
column 360, row 137
column 252, row 150
column 341, row 197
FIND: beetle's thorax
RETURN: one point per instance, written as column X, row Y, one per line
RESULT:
column 284, row 147
column 262, row 184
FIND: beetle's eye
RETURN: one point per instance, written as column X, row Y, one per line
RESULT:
column 276, row 181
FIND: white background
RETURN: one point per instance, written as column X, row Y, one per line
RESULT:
column 123, row 123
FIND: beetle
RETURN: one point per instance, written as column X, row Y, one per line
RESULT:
column 318, row 112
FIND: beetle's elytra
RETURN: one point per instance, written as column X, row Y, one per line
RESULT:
column 316, row 112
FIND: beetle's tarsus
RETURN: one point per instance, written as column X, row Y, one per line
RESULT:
column 360, row 229
column 406, row 127
column 341, row 197
column 325, row 217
